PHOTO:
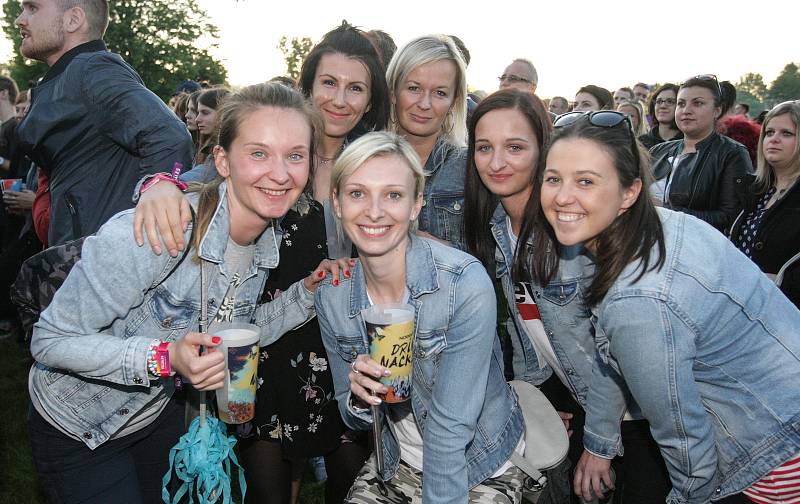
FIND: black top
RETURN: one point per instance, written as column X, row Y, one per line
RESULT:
column 776, row 240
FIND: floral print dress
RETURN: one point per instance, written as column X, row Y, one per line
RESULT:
column 295, row 402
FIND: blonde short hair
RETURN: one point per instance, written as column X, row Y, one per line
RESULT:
column 372, row 145
column 430, row 49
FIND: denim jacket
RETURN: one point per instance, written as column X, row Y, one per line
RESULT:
column 710, row 349
column 568, row 326
column 90, row 344
column 442, row 212
column 468, row 416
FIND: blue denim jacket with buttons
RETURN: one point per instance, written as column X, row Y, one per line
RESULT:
column 567, row 323
column 443, row 198
column 468, row 416
column 90, row 344
column 710, row 349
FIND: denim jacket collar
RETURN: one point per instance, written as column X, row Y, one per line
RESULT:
column 212, row 246
column 421, row 275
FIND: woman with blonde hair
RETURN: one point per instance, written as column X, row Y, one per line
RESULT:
column 428, row 89
column 635, row 113
column 455, row 443
column 766, row 230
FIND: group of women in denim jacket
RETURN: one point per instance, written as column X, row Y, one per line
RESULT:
column 615, row 298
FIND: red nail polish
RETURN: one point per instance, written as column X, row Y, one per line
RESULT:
column 347, row 274
column 321, row 274
column 335, row 283
column 216, row 340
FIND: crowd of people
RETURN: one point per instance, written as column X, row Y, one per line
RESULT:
column 633, row 254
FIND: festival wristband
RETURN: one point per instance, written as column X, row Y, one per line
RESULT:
column 158, row 359
column 166, row 178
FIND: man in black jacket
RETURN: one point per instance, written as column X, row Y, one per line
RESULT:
column 92, row 127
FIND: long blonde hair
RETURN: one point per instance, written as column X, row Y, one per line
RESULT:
column 237, row 107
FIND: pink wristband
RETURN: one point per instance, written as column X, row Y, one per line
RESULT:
column 162, row 176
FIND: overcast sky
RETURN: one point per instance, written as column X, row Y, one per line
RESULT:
column 571, row 42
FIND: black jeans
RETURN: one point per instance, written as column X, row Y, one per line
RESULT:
column 646, row 480
column 127, row 470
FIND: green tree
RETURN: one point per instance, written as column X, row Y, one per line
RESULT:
column 786, row 86
column 157, row 37
column 294, row 52
column 753, row 84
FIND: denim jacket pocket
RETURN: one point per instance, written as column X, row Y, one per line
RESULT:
column 427, row 348
column 349, row 347
column 560, row 294
column 171, row 315
column 449, row 215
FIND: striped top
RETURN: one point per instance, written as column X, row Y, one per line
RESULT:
column 781, row 485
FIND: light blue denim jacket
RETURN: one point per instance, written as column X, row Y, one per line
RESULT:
column 567, row 323
column 90, row 344
column 468, row 416
column 710, row 350
column 442, row 212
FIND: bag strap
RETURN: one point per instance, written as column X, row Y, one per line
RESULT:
column 183, row 256
column 539, row 479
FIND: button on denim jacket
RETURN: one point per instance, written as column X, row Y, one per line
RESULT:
column 468, row 416
column 568, row 326
column 710, row 350
column 90, row 344
column 442, row 213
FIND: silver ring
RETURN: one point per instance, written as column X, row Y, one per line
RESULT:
column 353, row 367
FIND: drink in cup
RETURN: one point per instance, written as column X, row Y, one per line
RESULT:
column 236, row 400
column 390, row 331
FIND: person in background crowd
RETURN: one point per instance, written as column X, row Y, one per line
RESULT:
column 641, row 92
column 428, row 88
column 286, row 81
column 662, row 109
column 591, row 97
column 93, row 127
column 766, row 230
column 385, row 45
column 454, row 445
column 8, row 96
column 761, row 116
column 743, row 130
column 471, row 103
column 191, row 119
column 623, row 94
column 181, row 106
column 742, row 109
column 698, row 174
column 208, row 102
column 520, row 74
column 708, row 348
column 635, row 112
column 559, row 105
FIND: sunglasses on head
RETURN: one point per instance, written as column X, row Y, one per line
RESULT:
column 709, row 78
column 601, row 119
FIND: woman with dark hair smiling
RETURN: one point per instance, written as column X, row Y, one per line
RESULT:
column 708, row 349
column 662, row 109
column 698, row 174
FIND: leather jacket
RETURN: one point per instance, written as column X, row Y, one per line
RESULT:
column 776, row 247
column 94, row 129
column 706, row 187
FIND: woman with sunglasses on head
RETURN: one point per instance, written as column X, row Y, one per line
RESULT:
column 549, row 327
column 698, row 174
column 709, row 350
column 662, row 109
column 428, row 88
column 452, row 440
column 766, row 230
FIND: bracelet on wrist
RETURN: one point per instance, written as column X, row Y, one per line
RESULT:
column 166, row 178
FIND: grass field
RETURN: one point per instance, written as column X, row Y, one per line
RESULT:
column 18, row 483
